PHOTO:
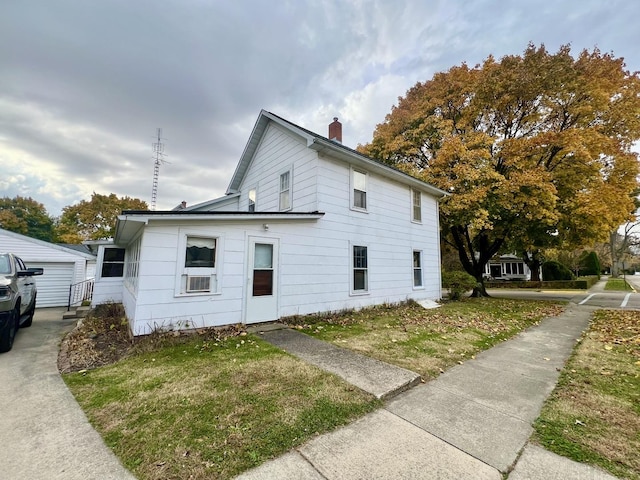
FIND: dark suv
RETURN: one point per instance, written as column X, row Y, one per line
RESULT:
column 17, row 297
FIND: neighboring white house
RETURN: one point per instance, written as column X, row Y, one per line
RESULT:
column 307, row 225
column 63, row 265
column 507, row 267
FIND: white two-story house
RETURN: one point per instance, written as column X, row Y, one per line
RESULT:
column 307, row 225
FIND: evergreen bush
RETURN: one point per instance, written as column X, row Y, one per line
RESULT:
column 458, row 283
column 553, row 270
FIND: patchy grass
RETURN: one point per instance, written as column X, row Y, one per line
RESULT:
column 617, row 284
column 206, row 408
column 593, row 415
column 427, row 341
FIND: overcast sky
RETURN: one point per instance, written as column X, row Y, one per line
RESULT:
column 84, row 84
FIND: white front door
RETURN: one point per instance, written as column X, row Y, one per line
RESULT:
column 262, row 288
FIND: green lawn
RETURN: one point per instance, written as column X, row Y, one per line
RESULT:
column 617, row 284
column 207, row 409
column 593, row 415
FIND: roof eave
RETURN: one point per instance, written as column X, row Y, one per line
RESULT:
column 352, row 157
column 129, row 224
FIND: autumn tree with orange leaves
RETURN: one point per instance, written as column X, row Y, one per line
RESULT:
column 535, row 150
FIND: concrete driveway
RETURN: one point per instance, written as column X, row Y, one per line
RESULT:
column 43, row 432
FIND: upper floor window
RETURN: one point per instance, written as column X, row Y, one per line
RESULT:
column 113, row 262
column 416, row 206
column 285, row 191
column 359, row 185
column 252, row 200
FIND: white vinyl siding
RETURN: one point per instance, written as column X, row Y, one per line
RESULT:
column 278, row 151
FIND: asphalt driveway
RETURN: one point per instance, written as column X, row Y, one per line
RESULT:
column 43, row 432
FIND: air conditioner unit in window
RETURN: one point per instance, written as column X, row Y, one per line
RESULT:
column 198, row 284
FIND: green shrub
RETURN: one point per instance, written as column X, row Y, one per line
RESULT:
column 589, row 264
column 458, row 282
column 553, row 270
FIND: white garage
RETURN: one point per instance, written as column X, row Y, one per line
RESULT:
column 63, row 265
column 53, row 285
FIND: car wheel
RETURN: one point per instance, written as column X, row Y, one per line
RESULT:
column 9, row 332
column 31, row 312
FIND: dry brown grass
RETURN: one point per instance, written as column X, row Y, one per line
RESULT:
column 426, row 341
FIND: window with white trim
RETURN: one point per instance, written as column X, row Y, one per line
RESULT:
column 416, row 206
column 285, row 191
column 359, row 190
column 112, row 262
column 132, row 265
column 417, row 268
column 199, row 272
column 360, row 269
column 252, row 200
column 514, row 268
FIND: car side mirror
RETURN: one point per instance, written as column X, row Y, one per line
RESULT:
column 29, row 272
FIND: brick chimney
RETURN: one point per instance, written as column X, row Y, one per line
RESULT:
column 335, row 130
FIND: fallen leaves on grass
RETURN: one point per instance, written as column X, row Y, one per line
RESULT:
column 618, row 327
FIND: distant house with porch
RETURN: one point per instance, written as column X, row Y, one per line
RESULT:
column 507, row 267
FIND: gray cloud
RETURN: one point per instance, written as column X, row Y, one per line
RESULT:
column 83, row 85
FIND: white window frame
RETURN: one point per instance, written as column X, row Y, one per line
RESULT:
column 132, row 265
column 352, row 182
column 183, row 273
column 416, row 205
column 252, row 202
column 352, row 266
column 419, row 268
column 103, row 262
column 288, row 190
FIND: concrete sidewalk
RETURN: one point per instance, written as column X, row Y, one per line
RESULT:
column 373, row 376
column 43, row 431
column 472, row 422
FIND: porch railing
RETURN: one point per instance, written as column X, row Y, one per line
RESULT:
column 79, row 292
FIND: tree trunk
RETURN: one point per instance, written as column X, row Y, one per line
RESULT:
column 613, row 237
column 480, row 290
column 534, row 262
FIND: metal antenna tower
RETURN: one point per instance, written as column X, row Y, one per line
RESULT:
column 158, row 157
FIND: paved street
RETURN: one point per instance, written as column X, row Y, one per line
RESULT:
column 596, row 297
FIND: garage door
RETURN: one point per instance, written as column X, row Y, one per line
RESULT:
column 53, row 285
